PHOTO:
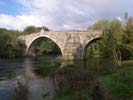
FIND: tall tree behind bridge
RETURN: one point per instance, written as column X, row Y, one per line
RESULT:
column 34, row 29
column 112, row 39
column 97, row 48
column 128, row 37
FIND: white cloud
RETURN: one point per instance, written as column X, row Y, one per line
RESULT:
column 18, row 22
column 64, row 14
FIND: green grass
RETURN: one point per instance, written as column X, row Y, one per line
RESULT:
column 120, row 83
column 65, row 97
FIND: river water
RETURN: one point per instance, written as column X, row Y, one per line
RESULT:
column 46, row 76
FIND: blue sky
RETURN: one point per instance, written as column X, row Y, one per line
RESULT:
column 10, row 7
column 60, row 14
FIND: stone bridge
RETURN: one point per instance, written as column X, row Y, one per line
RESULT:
column 72, row 44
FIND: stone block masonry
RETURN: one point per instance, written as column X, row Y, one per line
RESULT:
column 71, row 43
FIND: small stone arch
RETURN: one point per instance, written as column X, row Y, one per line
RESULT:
column 88, row 42
column 34, row 40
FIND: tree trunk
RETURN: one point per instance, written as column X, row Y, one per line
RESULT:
column 117, row 56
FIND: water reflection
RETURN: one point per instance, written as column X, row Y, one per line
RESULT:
column 48, row 76
column 25, row 71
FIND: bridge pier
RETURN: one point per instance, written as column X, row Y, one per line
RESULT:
column 71, row 58
column 73, row 49
column 73, row 54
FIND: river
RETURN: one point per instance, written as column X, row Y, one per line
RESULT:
column 44, row 77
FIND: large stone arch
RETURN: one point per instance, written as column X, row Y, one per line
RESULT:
column 72, row 44
column 35, row 39
column 87, row 43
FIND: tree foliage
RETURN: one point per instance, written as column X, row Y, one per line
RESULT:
column 34, row 29
column 100, row 25
column 116, row 40
column 9, row 46
column 47, row 46
column 128, row 37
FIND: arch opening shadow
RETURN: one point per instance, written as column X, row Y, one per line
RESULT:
column 85, row 53
column 44, row 46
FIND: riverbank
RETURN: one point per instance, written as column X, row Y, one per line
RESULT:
column 117, row 85
column 120, row 83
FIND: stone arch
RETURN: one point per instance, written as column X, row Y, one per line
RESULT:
column 87, row 43
column 35, row 40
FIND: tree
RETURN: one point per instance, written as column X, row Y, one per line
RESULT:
column 45, row 46
column 43, row 27
column 100, row 25
column 34, row 29
column 117, row 45
column 111, row 43
column 8, row 43
column 30, row 29
column 128, row 40
column 100, row 48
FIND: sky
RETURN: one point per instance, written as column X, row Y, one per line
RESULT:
column 61, row 14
